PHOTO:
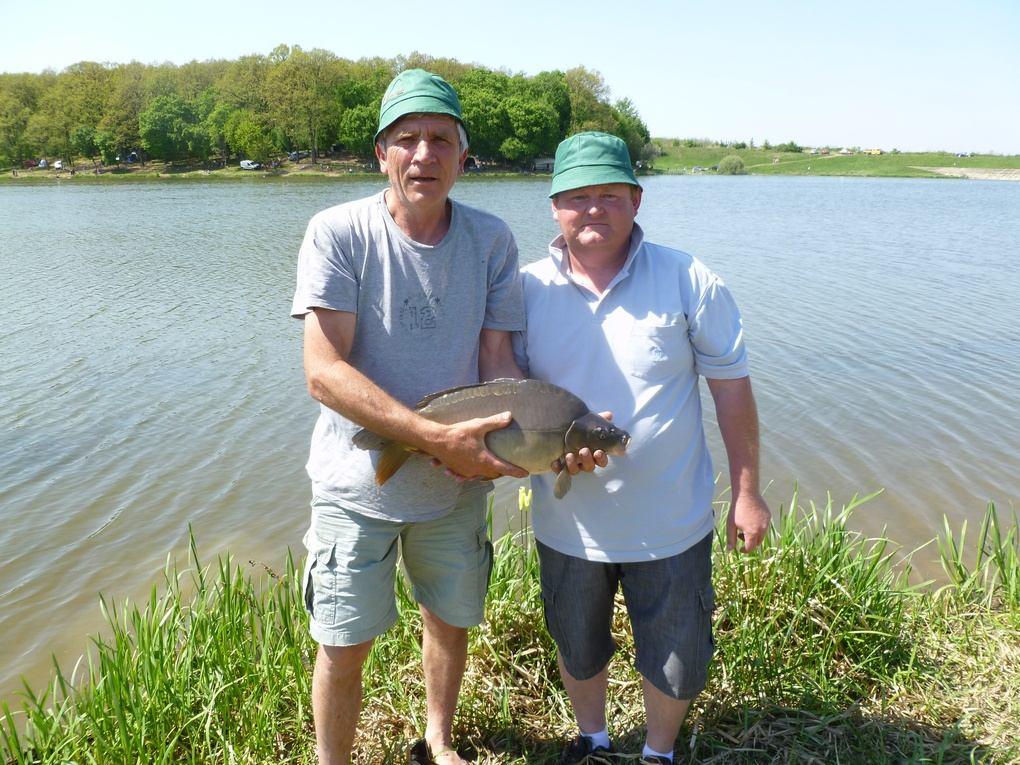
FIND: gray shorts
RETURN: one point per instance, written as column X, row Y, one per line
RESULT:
column 669, row 602
column 350, row 570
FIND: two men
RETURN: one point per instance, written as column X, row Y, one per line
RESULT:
column 406, row 293
column 402, row 294
column 644, row 322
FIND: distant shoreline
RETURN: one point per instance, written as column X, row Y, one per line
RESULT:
column 688, row 161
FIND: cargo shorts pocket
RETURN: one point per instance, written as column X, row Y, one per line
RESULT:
column 488, row 558
column 706, row 599
column 320, row 585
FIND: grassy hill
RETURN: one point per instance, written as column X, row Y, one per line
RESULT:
column 679, row 157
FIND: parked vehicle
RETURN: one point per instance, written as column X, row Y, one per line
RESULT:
column 43, row 164
column 247, row 164
column 28, row 164
column 294, row 156
column 58, row 165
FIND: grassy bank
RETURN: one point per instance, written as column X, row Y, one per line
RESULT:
column 678, row 157
column 824, row 654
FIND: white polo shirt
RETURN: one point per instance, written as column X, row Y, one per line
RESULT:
column 637, row 350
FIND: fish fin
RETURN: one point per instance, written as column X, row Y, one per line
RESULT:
column 390, row 461
column 433, row 396
column 562, row 484
column 366, row 439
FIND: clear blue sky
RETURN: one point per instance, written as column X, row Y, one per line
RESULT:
column 895, row 74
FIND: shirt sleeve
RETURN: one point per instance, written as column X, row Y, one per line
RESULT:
column 504, row 305
column 717, row 334
column 325, row 273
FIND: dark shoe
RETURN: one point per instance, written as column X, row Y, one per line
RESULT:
column 421, row 753
column 580, row 750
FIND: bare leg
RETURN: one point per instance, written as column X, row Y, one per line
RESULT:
column 336, row 700
column 665, row 716
column 588, row 697
column 444, row 656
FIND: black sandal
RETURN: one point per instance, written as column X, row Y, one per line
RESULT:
column 421, row 753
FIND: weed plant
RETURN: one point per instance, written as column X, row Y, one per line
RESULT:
column 824, row 653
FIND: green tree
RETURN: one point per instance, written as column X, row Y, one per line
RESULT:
column 534, row 129
column 247, row 135
column 553, row 89
column 243, row 84
column 168, row 129
column 357, row 130
column 215, row 126
column 75, row 99
column 731, row 164
column 302, row 91
column 631, row 129
column 19, row 98
column 483, row 95
column 118, row 127
column 589, row 107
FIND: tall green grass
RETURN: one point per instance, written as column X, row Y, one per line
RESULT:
column 825, row 653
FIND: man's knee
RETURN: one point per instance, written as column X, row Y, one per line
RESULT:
column 339, row 661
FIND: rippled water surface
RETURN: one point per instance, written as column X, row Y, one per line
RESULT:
column 150, row 378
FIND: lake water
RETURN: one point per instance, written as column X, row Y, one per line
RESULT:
column 150, row 378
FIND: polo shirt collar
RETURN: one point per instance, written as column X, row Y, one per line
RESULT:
column 558, row 253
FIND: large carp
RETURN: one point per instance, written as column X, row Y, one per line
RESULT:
column 548, row 422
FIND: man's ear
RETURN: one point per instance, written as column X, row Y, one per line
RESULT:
column 635, row 197
column 555, row 212
column 380, row 155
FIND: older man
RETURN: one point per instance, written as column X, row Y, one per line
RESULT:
column 644, row 323
column 402, row 294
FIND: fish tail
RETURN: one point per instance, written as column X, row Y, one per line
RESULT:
column 393, row 456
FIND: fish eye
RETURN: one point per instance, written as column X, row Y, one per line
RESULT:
column 600, row 433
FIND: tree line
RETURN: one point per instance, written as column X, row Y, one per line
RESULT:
column 259, row 106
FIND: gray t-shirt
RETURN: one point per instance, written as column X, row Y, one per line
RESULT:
column 420, row 311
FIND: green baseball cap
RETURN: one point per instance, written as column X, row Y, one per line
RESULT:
column 590, row 159
column 415, row 91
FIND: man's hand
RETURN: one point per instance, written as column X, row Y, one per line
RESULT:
column 585, row 460
column 464, row 454
column 748, row 519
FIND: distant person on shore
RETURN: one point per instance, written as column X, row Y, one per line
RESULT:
column 643, row 323
column 402, row 294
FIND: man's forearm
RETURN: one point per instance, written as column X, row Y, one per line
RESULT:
column 346, row 390
column 496, row 356
column 737, row 416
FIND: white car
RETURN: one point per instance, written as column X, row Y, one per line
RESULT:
column 58, row 165
column 247, row 164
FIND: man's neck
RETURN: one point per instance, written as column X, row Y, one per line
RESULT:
column 423, row 225
column 596, row 269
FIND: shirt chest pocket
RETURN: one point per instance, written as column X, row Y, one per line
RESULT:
column 654, row 351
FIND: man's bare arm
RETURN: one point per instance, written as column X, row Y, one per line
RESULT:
column 738, row 423
column 329, row 336
column 496, row 356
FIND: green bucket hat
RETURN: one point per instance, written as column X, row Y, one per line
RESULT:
column 590, row 159
column 415, row 91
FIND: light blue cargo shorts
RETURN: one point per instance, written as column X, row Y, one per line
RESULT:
column 350, row 571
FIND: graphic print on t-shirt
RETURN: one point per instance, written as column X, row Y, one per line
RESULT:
column 419, row 315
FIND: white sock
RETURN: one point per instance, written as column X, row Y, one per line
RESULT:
column 649, row 752
column 600, row 738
